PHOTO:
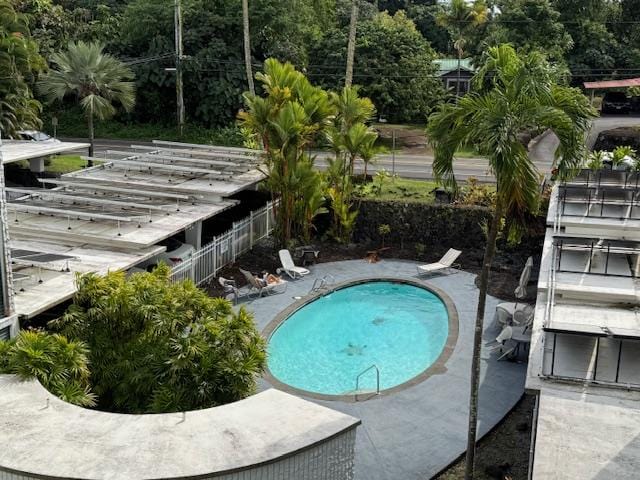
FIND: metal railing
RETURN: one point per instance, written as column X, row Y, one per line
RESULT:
column 320, row 283
column 206, row 262
column 599, row 202
column 372, row 367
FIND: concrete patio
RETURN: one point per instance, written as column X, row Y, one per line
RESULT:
column 415, row 433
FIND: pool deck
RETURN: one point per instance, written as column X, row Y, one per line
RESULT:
column 416, row 432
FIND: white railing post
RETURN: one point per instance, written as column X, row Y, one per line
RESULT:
column 251, row 230
column 268, row 210
column 234, row 235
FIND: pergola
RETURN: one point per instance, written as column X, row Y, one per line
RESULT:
column 112, row 215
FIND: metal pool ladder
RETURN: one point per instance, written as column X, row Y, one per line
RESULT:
column 372, row 367
column 320, row 283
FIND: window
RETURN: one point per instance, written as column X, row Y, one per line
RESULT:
column 464, row 85
column 5, row 333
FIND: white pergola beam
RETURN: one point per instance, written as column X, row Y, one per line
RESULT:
column 216, row 148
column 162, row 166
column 17, row 207
column 194, row 193
column 95, row 200
column 201, row 153
column 133, row 191
column 172, row 159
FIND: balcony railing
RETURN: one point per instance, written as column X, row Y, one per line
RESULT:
column 606, row 177
column 592, row 256
column 599, row 201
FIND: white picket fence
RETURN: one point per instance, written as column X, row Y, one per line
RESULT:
column 225, row 248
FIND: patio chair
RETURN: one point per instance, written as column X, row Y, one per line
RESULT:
column 289, row 267
column 229, row 286
column 261, row 287
column 501, row 340
column 508, row 313
column 445, row 262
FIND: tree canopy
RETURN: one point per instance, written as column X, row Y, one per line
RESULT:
column 20, row 62
column 156, row 346
column 396, row 43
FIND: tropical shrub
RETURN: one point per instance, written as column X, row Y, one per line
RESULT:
column 621, row 153
column 595, row 160
column 288, row 120
column 60, row 365
column 156, row 346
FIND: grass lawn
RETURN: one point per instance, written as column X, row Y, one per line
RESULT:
column 399, row 189
column 65, row 164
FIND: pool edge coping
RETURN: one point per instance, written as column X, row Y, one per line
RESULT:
column 438, row 367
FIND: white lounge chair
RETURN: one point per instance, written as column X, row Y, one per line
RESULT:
column 289, row 267
column 445, row 262
column 261, row 287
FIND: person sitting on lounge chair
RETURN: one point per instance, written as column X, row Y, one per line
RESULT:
column 268, row 278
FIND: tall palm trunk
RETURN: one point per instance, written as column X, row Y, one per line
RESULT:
column 458, row 75
column 489, row 252
column 247, row 45
column 351, row 47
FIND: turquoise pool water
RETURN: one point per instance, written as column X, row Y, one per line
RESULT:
column 324, row 345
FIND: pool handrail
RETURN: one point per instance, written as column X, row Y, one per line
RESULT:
column 374, row 366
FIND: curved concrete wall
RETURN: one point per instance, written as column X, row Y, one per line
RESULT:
column 271, row 435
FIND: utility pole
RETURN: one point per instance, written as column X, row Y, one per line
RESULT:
column 247, row 45
column 179, row 56
column 351, row 46
column 393, row 152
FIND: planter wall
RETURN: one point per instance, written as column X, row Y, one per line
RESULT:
column 432, row 225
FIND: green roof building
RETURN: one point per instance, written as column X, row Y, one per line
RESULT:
column 448, row 71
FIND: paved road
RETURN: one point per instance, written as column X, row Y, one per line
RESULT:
column 419, row 166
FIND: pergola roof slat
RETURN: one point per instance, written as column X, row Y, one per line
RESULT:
column 68, row 213
column 238, row 157
column 78, row 182
column 227, row 165
column 95, row 200
column 161, row 166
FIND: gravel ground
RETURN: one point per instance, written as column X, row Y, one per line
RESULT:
column 503, row 454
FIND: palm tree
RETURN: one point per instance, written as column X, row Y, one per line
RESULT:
column 94, row 78
column 351, row 46
column 460, row 18
column 247, row 45
column 514, row 95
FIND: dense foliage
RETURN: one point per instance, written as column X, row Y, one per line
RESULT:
column 19, row 64
column 157, row 346
column 396, row 43
column 60, row 365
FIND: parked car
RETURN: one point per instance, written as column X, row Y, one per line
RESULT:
column 36, row 136
column 176, row 253
column 616, row 102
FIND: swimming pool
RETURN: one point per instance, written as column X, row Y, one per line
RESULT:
column 322, row 347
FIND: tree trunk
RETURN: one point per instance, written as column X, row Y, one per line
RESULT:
column 91, row 137
column 458, row 75
column 366, row 167
column 477, row 339
column 247, row 45
column 351, row 47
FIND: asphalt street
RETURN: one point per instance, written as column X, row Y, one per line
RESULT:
column 410, row 165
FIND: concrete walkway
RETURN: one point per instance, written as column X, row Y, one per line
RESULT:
column 415, row 433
